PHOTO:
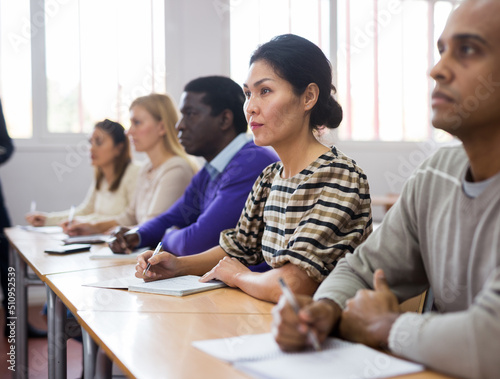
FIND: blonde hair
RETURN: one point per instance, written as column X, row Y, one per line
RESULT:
column 162, row 108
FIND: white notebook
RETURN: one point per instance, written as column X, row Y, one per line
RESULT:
column 104, row 252
column 260, row 356
column 178, row 286
column 93, row 238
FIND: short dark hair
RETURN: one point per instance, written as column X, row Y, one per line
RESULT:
column 300, row 62
column 221, row 93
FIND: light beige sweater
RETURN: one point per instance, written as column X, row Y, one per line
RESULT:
column 102, row 204
column 157, row 190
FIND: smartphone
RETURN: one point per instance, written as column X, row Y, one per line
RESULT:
column 68, row 249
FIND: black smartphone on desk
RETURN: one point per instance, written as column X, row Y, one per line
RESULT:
column 68, row 249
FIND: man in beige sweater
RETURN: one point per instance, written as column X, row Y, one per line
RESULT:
column 443, row 233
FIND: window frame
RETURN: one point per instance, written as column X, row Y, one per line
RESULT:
column 42, row 139
column 431, row 44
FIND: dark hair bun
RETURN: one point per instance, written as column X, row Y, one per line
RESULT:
column 334, row 114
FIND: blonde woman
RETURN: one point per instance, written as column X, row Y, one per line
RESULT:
column 163, row 179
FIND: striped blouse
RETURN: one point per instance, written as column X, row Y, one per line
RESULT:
column 311, row 220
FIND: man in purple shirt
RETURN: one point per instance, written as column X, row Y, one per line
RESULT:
column 214, row 127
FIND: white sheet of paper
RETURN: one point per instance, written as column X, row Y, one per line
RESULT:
column 260, row 356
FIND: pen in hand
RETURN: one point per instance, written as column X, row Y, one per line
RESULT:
column 33, row 206
column 157, row 250
column 71, row 216
column 293, row 302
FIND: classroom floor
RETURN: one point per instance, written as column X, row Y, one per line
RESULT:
column 37, row 350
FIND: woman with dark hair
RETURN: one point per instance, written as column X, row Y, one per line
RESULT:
column 114, row 183
column 304, row 212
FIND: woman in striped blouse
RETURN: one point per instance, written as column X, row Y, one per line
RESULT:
column 304, row 212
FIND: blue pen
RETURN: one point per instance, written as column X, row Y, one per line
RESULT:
column 157, row 250
column 293, row 302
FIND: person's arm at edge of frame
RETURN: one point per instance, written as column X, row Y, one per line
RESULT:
column 6, row 145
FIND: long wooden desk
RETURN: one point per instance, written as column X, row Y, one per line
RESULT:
column 68, row 287
column 158, row 345
column 27, row 250
column 147, row 336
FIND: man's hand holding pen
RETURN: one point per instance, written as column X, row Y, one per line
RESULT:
column 123, row 240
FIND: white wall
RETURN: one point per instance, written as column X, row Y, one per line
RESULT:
column 55, row 177
column 197, row 41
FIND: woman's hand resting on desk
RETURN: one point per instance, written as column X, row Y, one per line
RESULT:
column 163, row 266
column 36, row 218
column 226, row 271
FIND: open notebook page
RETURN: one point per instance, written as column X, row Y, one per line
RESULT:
column 259, row 356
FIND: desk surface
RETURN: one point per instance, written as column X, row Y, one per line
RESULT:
column 68, row 287
column 17, row 233
column 131, row 338
column 158, row 345
column 31, row 246
column 126, row 324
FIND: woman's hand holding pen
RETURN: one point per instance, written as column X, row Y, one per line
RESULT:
column 36, row 218
column 290, row 330
column 75, row 228
column 163, row 265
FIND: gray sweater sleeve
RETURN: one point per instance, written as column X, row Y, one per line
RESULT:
column 464, row 340
column 465, row 344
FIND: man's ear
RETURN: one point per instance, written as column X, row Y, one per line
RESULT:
column 310, row 95
column 227, row 119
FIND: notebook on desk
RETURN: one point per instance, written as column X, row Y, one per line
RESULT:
column 178, row 286
column 92, row 239
column 260, row 356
